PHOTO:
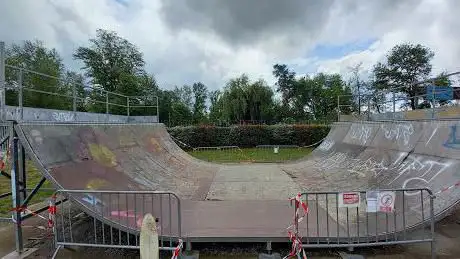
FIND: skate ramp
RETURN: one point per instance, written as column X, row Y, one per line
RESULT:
column 240, row 200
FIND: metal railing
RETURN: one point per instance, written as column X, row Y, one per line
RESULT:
column 391, row 98
column 335, row 221
column 72, row 95
column 116, row 218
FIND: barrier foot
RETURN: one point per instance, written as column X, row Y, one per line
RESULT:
column 56, row 252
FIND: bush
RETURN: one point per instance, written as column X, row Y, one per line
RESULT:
column 250, row 135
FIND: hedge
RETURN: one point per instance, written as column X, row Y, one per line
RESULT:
column 249, row 135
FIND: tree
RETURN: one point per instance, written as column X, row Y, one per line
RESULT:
column 216, row 107
column 185, row 95
column 200, row 93
column 34, row 56
column 285, row 81
column 243, row 100
column 74, row 81
column 114, row 64
column 406, row 64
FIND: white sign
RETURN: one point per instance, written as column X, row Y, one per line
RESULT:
column 349, row 200
column 386, row 201
column 371, row 201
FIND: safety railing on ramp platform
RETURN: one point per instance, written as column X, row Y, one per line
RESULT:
column 363, row 218
column 116, row 218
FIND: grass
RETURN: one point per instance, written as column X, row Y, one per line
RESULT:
column 33, row 177
column 250, row 155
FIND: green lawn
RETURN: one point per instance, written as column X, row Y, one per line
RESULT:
column 33, row 177
column 250, row 155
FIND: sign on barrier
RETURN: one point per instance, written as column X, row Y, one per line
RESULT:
column 349, row 200
column 372, row 200
column 386, row 201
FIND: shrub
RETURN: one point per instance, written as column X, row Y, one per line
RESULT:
column 250, row 135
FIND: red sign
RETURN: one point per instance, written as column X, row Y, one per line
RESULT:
column 350, row 198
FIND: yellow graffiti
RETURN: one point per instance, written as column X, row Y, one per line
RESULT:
column 156, row 145
column 102, row 155
column 95, row 184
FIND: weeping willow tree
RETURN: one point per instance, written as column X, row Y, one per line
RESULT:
column 242, row 99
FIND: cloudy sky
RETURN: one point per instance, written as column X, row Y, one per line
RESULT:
column 212, row 40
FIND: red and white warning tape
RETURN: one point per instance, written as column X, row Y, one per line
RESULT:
column 176, row 251
column 457, row 184
column 51, row 213
column 296, row 248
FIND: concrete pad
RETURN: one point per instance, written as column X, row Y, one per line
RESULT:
column 252, row 182
column 14, row 255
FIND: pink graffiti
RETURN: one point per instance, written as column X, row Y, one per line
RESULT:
column 128, row 214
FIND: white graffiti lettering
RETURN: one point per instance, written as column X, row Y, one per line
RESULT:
column 409, row 170
column 326, row 145
column 353, row 165
column 63, row 116
column 398, row 132
column 360, row 132
column 425, row 171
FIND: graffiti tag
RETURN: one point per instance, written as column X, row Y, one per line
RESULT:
column 63, row 116
column 453, row 141
column 360, row 133
column 326, row 145
column 399, row 132
column 92, row 200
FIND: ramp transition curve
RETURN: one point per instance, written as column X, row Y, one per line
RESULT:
column 249, row 201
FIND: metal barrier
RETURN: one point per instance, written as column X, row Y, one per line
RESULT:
column 116, row 218
column 358, row 219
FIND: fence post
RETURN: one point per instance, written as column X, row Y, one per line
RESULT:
column 127, row 105
column 432, row 221
column 2, row 80
column 338, row 107
column 106, row 102
column 433, row 98
column 158, row 111
column 21, row 93
column 394, row 102
column 16, row 197
column 74, row 98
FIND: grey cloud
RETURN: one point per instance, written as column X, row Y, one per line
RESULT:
column 243, row 21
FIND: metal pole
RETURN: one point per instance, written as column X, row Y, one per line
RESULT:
column 433, row 99
column 74, row 97
column 359, row 97
column 338, row 107
column 22, row 171
column 433, row 234
column 394, row 102
column 127, row 105
column 158, row 111
column 21, row 93
column 16, row 197
column 369, row 109
column 2, row 80
column 106, row 102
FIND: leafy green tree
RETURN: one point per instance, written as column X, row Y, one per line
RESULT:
column 216, row 107
column 185, row 95
column 71, row 82
column 34, row 56
column 114, row 64
column 406, row 64
column 244, row 100
column 200, row 93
